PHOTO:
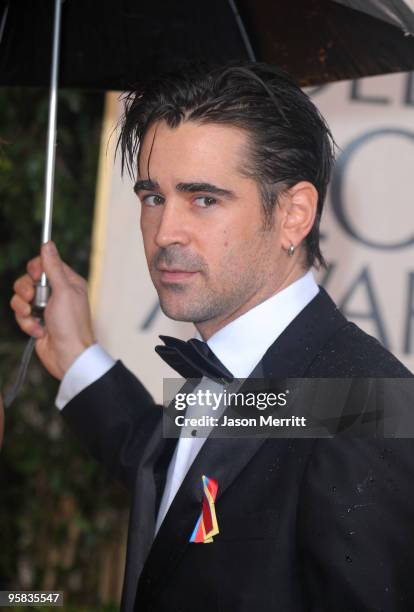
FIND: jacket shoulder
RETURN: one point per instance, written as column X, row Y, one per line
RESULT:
column 351, row 352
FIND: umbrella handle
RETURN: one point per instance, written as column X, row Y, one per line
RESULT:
column 39, row 302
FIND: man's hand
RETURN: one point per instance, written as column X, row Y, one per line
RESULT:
column 68, row 327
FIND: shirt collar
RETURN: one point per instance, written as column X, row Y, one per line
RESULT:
column 242, row 343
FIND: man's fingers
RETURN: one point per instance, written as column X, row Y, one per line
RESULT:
column 53, row 265
column 24, row 288
column 20, row 306
column 34, row 268
column 30, row 326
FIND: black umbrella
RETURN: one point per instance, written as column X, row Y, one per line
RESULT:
column 113, row 44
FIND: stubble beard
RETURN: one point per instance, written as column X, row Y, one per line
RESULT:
column 207, row 304
column 201, row 302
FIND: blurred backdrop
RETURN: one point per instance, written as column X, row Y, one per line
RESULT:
column 62, row 523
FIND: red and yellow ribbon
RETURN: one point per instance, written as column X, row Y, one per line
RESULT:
column 206, row 526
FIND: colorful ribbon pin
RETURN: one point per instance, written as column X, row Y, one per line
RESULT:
column 206, row 526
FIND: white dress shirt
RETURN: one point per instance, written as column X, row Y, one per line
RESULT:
column 240, row 345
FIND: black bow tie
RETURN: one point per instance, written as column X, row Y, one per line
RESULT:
column 192, row 359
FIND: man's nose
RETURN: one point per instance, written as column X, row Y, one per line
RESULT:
column 174, row 225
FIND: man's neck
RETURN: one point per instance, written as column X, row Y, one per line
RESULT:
column 206, row 329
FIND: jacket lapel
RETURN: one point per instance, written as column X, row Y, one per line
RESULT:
column 149, row 486
column 142, row 515
column 174, row 534
column 295, row 349
column 224, row 458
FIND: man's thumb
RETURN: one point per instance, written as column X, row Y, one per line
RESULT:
column 52, row 264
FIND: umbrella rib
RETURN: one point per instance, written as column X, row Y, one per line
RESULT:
column 3, row 21
column 242, row 30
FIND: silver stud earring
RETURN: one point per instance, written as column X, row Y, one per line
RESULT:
column 291, row 250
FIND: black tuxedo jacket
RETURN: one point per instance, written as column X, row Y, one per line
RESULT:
column 305, row 524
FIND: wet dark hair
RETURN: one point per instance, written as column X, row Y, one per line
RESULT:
column 289, row 140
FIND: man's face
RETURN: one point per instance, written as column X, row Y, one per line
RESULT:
column 208, row 253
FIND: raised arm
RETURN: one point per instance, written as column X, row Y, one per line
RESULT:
column 114, row 416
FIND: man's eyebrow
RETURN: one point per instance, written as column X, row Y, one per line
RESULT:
column 146, row 185
column 206, row 188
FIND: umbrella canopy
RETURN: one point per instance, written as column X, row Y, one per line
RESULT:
column 112, row 44
column 397, row 12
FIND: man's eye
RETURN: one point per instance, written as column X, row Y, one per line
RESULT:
column 153, row 200
column 205, row 201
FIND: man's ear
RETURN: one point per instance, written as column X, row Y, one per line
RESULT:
column 299, row 204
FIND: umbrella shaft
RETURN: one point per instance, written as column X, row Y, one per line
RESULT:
column 51, row 137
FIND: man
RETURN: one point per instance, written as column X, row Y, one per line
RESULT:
column 232, row 166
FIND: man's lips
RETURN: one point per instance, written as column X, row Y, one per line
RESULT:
column 172, row 275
